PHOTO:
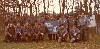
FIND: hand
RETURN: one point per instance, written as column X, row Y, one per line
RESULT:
column 29, row 34
column 64, row 35
column 59, row 37
column 10, row 35
column 42, row 34
column 75, row 34
column 20, row 33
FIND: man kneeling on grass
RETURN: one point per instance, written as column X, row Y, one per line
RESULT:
column 10, row 33
column 75, row 34
column 62, row 33
column 39, row 35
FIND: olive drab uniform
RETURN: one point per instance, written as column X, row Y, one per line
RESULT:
column 84, row 22
column 75, row 34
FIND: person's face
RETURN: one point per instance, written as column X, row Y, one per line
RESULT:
column 18, row 24
column 62, row 27
column 70, row 16
column 79, row 16
column 46, row 15
column 36, row 24
column 27, row 23
column 74, row 27
column 82, row 14
column 11, row 25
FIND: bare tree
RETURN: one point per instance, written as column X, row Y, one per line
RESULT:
column 60, row 5
column 30, row 9
column 63, row 5
column 44, row 6
column 48, row 6
column 85, row 6
column 90, row 8
column 35, row 7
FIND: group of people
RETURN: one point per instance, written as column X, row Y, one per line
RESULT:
column 29, row 28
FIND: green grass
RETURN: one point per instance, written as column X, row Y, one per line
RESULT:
column 94, row 43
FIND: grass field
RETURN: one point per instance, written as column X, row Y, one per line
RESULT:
column 94, row 43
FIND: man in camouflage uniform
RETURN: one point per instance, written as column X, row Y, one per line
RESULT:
column 63, row 21
column 71, row 22
column 39, row 32
column 18, row 32
column 51, row 18
column 32, row 20
column 40, row 19
column 62, row 33
column 27, row 32
column 10, row 33
column 75, row 34
column 83, row 22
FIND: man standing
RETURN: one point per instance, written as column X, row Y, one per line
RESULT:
column 71, row 22
column 18, row 32
column 84, row 22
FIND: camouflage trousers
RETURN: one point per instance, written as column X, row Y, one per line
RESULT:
column 62, row 37
column 28, row 37
column 9, row 38
column 18, row 37
column 75, row 37
column 37, row 37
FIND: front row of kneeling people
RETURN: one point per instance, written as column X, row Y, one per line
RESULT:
column 26, row 32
